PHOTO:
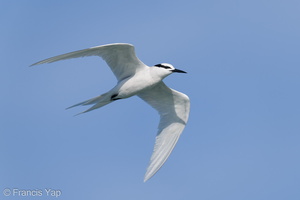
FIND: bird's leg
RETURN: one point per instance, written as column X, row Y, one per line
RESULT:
column 113, row 97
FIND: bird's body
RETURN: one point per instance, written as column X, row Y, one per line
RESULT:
column 135, row 84
column 136, row 78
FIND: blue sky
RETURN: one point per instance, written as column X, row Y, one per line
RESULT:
column 242, row 139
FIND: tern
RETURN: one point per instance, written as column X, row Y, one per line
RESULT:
column 136, row 78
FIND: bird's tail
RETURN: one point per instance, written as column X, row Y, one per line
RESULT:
column 98, row 102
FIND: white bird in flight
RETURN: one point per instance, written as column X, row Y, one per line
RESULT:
column 136, row 78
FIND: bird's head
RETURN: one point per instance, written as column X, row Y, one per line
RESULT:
column 165, row 69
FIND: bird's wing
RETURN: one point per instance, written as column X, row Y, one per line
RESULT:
column 174, row 108
column 120, row 57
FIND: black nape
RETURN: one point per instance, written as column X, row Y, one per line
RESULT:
column 162, row 66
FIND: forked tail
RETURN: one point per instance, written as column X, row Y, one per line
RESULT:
column 98, row 102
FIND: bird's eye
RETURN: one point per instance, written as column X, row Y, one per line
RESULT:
column 162, row 66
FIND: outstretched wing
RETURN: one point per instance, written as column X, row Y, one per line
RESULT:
column 174, row 108
column 121, row 58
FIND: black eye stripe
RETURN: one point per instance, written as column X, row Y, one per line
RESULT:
column 163, row 66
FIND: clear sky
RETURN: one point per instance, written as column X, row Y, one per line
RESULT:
column 242, row 140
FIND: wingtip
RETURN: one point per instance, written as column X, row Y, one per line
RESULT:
column 148, row 175
column 37, row 63
column 146, row 179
